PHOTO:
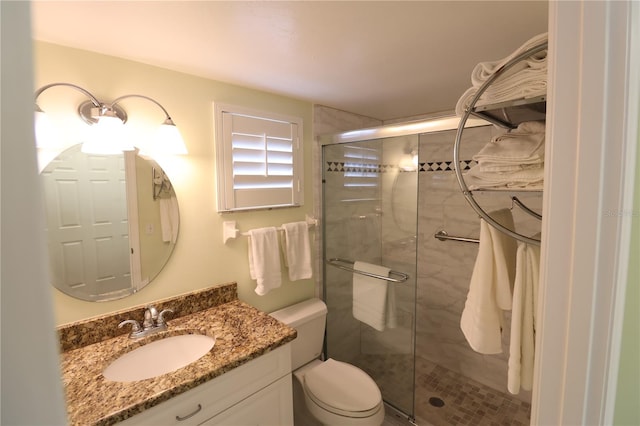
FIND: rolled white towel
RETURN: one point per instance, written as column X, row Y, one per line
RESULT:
column 524, row 85
column 535, row 86
column 484, row 70
column 525, row 79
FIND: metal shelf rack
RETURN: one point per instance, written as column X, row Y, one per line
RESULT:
column 504, row 114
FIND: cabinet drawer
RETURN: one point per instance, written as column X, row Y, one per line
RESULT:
column 211, row 398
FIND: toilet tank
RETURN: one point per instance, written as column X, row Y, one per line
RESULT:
column 308, row 318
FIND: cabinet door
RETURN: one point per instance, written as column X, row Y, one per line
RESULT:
column 216, row 396
column 272, row 406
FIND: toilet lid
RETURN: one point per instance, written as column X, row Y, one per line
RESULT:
column 343, row 389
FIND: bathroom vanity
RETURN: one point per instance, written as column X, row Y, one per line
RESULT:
column 244, row 379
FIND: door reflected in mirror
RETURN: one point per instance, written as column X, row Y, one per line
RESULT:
column 112, row 223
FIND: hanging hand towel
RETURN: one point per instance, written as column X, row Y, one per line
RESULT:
column 264, row 259
column 370, row 295
column 490, row 286
column 297, row 250
column 169, row 219
column 523, row 324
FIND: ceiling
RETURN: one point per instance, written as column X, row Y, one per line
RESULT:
column 385, row 60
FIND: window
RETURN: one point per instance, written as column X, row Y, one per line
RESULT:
column 259, row 159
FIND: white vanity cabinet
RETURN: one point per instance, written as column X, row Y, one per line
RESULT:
column 256, row 393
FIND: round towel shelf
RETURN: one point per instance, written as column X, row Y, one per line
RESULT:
column 468, row 194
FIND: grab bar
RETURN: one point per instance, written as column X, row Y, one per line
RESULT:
column 442, row 235
column 335, row 262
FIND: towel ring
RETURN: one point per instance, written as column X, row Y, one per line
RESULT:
column 456, row 147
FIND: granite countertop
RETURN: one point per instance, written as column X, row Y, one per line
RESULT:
column 241, row 331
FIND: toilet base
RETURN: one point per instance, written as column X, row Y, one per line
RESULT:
column 303, row 416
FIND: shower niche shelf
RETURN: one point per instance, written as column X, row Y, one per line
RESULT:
column 508, row 114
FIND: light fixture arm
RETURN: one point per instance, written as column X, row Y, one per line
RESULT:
column 168, row 138
column 94, row 100
column 85, row 110
column 168, row 119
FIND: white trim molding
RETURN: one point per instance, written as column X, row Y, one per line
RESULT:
column 592, row 121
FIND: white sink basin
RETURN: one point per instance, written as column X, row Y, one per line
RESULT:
column 158, row 357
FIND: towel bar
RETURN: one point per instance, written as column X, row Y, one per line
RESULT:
column 442, row 235
column 336, row 262
column 230, row 229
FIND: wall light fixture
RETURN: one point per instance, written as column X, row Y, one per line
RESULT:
column 107, row 121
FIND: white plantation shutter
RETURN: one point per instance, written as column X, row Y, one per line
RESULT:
column 259, row 161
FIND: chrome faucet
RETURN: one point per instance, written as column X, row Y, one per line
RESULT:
column 153, row 323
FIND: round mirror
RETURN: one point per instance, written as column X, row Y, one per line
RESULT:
column 112, row 223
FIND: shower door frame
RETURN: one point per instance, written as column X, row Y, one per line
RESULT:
column 410, row 128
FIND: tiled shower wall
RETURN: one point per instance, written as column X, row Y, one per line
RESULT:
column 445, row 267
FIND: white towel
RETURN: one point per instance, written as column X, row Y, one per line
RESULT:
column 169, row 219
column 297, row 250
column 484, row 70
column 264, row 259
column 370, row 296
column 511, row 160
column 523, row 320
column 523, row 145
column 525, row 79
column 490, row 286
column 525, row 179
column 527, row 86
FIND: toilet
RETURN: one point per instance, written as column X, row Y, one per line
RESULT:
column 326, row 392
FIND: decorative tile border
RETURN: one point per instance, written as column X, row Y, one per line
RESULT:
column 432, row 166
column 445, row 166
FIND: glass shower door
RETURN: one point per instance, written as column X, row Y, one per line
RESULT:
column 370, row 215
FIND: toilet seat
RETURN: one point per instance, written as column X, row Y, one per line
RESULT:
column 331, row 386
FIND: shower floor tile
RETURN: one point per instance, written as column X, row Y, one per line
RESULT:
column 442, row 396
column 446, row 398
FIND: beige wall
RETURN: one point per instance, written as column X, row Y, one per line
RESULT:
column 200, row 259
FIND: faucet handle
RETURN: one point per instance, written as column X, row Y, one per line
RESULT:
column 161, row 316
column 135, row 326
